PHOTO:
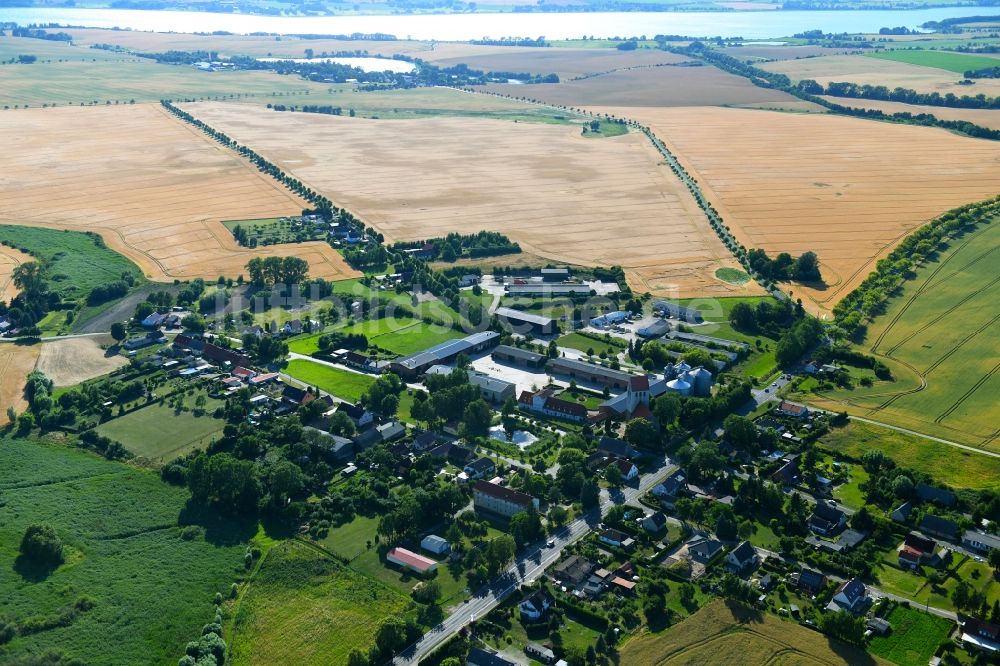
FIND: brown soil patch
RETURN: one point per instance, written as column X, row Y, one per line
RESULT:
column 845, row 188
column 152, row 186
column 74, row 360
column 16, row 361
column 654, row 86
column 567, row 63
column 878, row 72
column 9, row 260
column 562, row 196
column 983, row 117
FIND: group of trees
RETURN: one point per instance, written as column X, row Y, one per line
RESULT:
column 455, row 246
column 869, row 298
column 802, row 337
column 770, row 317
column 783, row 267
column 452, row 397
column 277, row 270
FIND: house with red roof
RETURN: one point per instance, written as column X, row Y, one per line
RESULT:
column 407, row 559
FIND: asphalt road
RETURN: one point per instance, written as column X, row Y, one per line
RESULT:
column 531, row 562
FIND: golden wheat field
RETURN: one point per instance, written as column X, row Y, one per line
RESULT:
column 562, row 196
column 149, row 184
column 10, row 259
column 16, row 361
column 845, row 188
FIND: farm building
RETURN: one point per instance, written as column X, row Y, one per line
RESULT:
column 543, row 402
column 980, row 541
column 610, row 319
column 939, row 527
column 554, row 274
column 521, row 357
column 435, row 544
column 675, row 311
column 480, row 657
column 446, row 352
column 516, row 321
column 407, row 559
column 492, row 388
column 588, row 372
column 655, row 330
column 503, row 501
column 548, row 289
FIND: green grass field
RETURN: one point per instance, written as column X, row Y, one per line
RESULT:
column 76, row 262
column 303, row 607
column 953, row 62
column 732, row 275
column 402, row 335
column 152, row 588
column 158, row 433
column 914, row 638
column 583, row 343
column 341, row 383
column 952, row 466
column 938, row 338
column 726, row 633
column 275, row 230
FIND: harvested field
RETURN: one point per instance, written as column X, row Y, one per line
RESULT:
column 778, row 52
column 726, row 633
column 845, row 188
column 657, row 86
column 560, row 195
column 567, row 63
column 74, row 360
column 150, row 185
column 984, row 117
column 878, row 72
column 10, row 259
column 16, row 361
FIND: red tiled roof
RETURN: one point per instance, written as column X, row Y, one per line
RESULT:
column 411, row 559
column 639, row 383
column 621, row 582
column 243, row 372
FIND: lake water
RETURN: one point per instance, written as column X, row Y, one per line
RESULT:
column 365, row 64
column 463, row 27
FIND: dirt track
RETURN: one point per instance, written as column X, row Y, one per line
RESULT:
column 153, row 187
column 568, row 198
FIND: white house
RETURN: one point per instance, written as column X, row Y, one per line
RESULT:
column 851, row 595
column 742, row 557
column 535, row 607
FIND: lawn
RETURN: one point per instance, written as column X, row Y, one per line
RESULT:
column 937, row 336
column 582, row 343
column 947, row 60
column 914, row 638
column 732, row 275
column 850, row 494
column 341, row 383
column 158, row 432
column 75, row 262
column 273, row 230
column 303, row 607
column 759, row 364
column 605, row 129
column 715, row 312
column 402, row 335
column 152, row 588
column 955, row 467
column 349, row 540
column 726, row 633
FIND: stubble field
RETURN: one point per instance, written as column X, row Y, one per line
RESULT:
column 150, row 185
column 567, row 63
column 16, row 361
column 562, row 196
column 845, row 188
column 73, row 360
column 10, row 259
column 671, row 85
column 983, row 117
column 879, row 72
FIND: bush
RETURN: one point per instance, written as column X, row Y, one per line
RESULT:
column 40, row 543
